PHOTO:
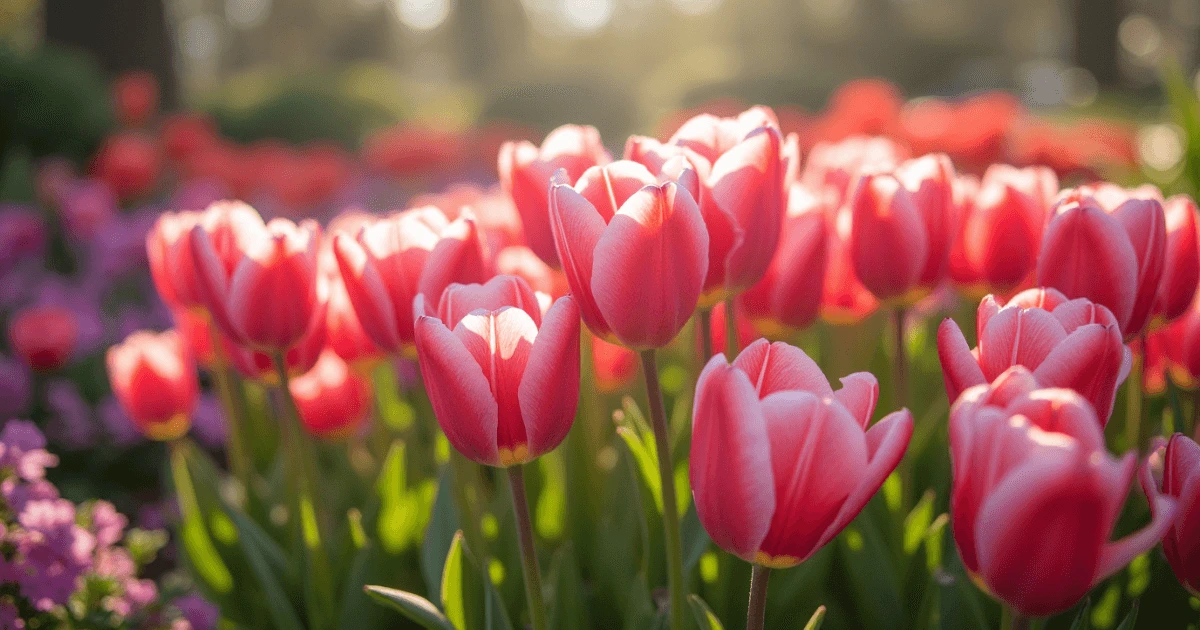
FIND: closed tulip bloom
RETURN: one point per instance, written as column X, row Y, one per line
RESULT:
column 153, row 376
column 298, row 359
column 739, row 169
column 43, row 336
column 172, row 266
column 930, row 179
column 844, row 299
column 780, row 462
column 1112, row 257
column 1181, row 265
column 1180, row 480
column 503, row 388
column 344, row 333
column 888, row 241
column 525, row 172
column 333, row 400
column 1064, row 343
column 1000, row 229
column 789, row 295
column 1036, row 496
column 635, row 254
column 459, row 300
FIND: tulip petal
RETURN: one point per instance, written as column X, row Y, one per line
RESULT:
column 888, row 241
column 500, row 342
column 577, row 227
column 858, row 395
column 1017, row 336
column 213, row 283
column 960, row 370
column 886, row 443
column 549, row 390
column 1144, row 222
column 608, row 187
column 1087, row 361
column 460, row 256
column 525, row 178
column 1116, row 555
column 367, row 292
column 649, row 266
column 747, row 184
column 460, row 299
column 732, row 483
column 778, row 366
column 458, row 391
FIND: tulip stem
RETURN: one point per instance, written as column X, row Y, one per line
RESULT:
column 305, row 505
column 756, row 613
column 704, row 321
column 1013, row 620
column 899, row 360
column 529, row 561
column 1133, row 399
column 731, row 329
column 666, row 476
column 233, row 399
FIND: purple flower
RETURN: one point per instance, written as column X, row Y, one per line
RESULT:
column 22, row 234
column 16, row 387
column 87, row 207
column 17, row 494
column 108, row 525
column 10, row 618
column 71, row 423
column 202, row 614
column 23, row 449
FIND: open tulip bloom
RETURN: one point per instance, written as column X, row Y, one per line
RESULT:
column 1036, row 495
column 1179, row 479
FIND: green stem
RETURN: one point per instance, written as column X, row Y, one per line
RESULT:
column 305, row 504
column 233, row 400
column 1013, row 620
column 704, row 323
column 466, row 478
column 731, row 329
column 666, row 474
column 756, row 613
column 899, row 360
column 1133, row 402
column 529, row 561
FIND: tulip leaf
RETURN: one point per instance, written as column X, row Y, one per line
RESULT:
column 439, row 535
column 640, row 613
column 695, row 540
column 705, row 618
column 874, row 583
column 568, row 607
column 1130, row 619
column 916, row 524
column 278, row 606
column 1081, row 619
column 817, row 619
column 201, row 553
column 468, row 596
column 415, row 607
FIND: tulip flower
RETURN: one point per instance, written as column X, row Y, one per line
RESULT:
column 888, row 240
column 635, row 254
column 135, row 97
column 269, row 299
column 1112, row 255
column 172, row 267
column 1000, row 228
column 1064, row 343
column 780, row 462
column 344, row 333
column 153, row 376
column 1181, row 267
column 298, row 359
column 789, row 295
column 43, row 336
column 334, row 401
column 930, row 179
column 838, row 166
column 525, row 172
column 197, row 333
column 503, row 388
column 1180, row 480
column 613, row 366
column 1036, row 495
column 844, row 299
column 129, row 162
column 739, row 168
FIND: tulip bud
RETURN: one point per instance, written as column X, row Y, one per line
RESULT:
column 1064, row 343
column 154, row 378
column 781, row 463
column 129, row 162
column 1180, row 473
column 635, row 263
column 135, row 97
column 298, row 359
column 504, row 390
column 1000, row 230
column 44, row 336
column 888, row 241
column 930, row 179
column 1035, row 495
column 333, row 400
column 1181, row 267
column 525, row 172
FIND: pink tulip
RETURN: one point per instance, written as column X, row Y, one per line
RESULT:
column 1181, row 268
column 504, row 389
column 930, row 179
column 634, row 253
column 781, row 463
column 1036, row 496
column 333, row 400
column 525, row 172
column 1065, row 343
column 889, row 244
column 153, row 376
column 1180, row 480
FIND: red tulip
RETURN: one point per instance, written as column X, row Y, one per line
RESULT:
column 459, row 256
column 930, row 179
column 1112, row 255
column 1035, row 495
column 184, row 135
column 789, row 295
column 195, row 330
column 844, row 299
column 1180, row 481
column 781, row 463
column 504, row 390
column 299, row 358
column 735, row 169
column 135, row 97
column 889, row 244
column 344, row 333
column 333, row 400
column 43, row 336
column 1181, row 268
column 613, row 366
column 172, row 266
column 525, row 172
column 459, row 300
column 1065, row 343
column 153, row 376
column 746, row 332
column 129, row 163
column 270, row 298
column 1000, row 228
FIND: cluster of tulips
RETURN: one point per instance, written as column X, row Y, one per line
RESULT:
column 725, row 224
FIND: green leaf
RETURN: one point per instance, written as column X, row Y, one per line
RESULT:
column 640, row 613
column 568, row 604
column 391, row 487
column 1081, row 619
column 1130, row 619
column 705, row 618
column 550, row 512
column 873, row 579
column 916, row 524
column 272, row 553
column 462, row 589
column 415, row 607
column 278, row 606
column 818, row 618
column 438, row 537
column 646, row 458
column 695, row 540
column 201, row 553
